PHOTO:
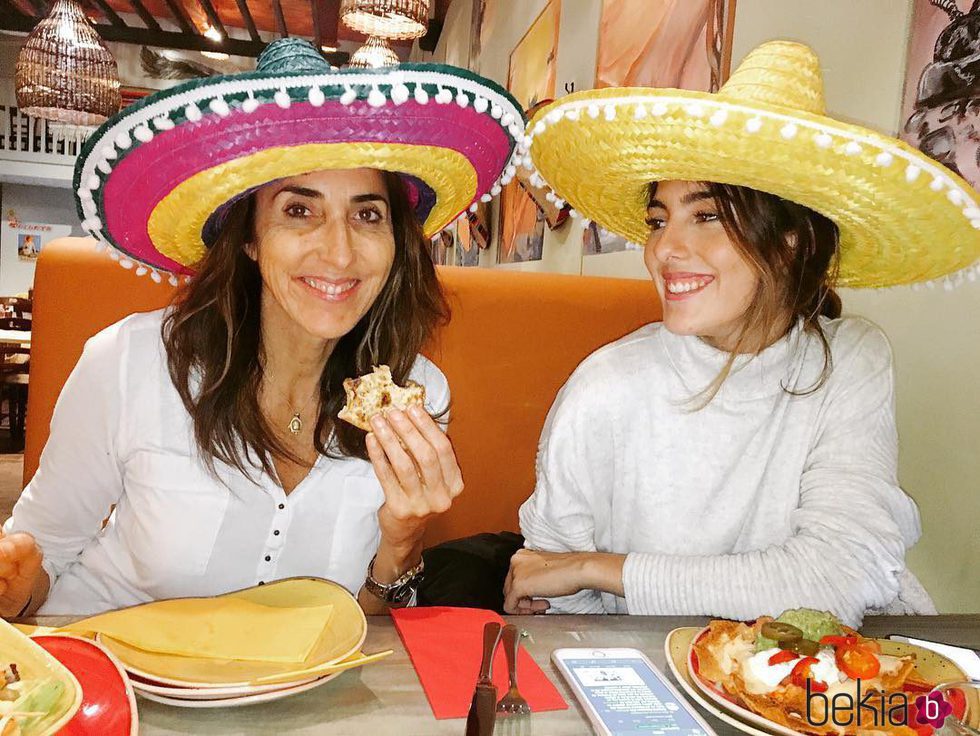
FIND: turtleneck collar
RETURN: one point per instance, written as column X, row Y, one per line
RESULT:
column 779, row 366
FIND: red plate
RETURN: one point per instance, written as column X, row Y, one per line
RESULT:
column 108, row 705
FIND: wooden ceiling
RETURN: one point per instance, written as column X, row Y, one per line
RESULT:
column 317, row 20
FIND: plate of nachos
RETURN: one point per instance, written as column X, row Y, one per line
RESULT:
column 803, row 672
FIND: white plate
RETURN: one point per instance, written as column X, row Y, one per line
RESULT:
column 678, row 641
column 210, row 693
column 234, row 702
column 932, row 666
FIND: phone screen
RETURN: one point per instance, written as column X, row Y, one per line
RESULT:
column 630, row 698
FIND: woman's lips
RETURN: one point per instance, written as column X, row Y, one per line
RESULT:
column 678, row 286
column 330, row 290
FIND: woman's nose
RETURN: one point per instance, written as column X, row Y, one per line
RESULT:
column 335, row 247
column 668, row 243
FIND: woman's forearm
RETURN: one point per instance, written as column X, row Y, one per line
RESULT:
column 390, row 563
column 602, row 571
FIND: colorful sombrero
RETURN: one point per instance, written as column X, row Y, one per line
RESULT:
column 903, row 217
column 153, row 181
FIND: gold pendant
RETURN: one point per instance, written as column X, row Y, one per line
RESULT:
column 296, row 424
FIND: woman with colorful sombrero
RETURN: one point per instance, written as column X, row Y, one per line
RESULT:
column 739, row 458
column 299, row 200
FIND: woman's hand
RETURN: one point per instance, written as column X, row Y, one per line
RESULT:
column 534, row 575
column 20, row 572
column 417, row 468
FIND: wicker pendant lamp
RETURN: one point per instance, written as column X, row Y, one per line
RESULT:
column 392, row 19
column 374, row 54
column 65, row 72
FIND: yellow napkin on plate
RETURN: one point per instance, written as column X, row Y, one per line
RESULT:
column 214, row 628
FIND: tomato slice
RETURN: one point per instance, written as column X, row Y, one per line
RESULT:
column 870, row 644
column 957, row 699
column 782, row 656
column 857, row 662
column 801, row 673
column 838, row 641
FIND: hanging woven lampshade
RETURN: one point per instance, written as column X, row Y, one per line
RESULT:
column 395, row 19
column 64, row 71
column 375, row 53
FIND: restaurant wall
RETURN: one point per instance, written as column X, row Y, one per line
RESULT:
column 46, row 205
column 934, row 334
column 862, row 47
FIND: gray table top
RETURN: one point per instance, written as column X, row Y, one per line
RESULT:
column 387, row 698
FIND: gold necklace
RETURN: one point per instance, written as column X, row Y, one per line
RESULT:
column 295, row 425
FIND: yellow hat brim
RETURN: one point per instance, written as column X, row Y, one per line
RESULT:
column 903, row 217
column 176, row 223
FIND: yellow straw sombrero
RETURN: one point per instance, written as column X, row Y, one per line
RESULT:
column 903, row 217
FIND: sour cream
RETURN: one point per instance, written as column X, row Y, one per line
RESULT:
column 825, row 670
column 762, row 677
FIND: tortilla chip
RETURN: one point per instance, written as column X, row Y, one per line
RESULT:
column 376, row 393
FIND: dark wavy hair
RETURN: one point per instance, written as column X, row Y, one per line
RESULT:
column 795, row 253
column 213, row 341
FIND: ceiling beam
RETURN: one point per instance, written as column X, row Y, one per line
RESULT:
column 280, row 19
column 329, row 11
column 144, row 15
column 180, row 15
column 22, row 23
column 10, row 7
column 111, row 15
column 213, row 18
column 249, row 21
column 39, row 8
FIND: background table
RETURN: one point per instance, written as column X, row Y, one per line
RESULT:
column 386, row 698
column 15, row 337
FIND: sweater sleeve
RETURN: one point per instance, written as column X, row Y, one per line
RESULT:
column 846, row 551
column 79, row 476
column 560, row 515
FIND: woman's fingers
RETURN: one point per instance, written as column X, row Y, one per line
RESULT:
column 428, row 428
column 17, row 547
column 399, row 460
column 418, row 447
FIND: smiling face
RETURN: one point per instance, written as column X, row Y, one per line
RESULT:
column 324, row 244
column 705, row 283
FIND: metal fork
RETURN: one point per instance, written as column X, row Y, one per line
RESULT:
column 513, row 703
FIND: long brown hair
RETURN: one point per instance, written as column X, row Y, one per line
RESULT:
column 212, row 338
column 794, row 251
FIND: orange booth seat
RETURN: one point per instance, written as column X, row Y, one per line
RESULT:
column 513, row 340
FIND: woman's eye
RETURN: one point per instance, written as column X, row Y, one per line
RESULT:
column 706, row 216
column 369, row 215
column 655, row 223
column 297, row 210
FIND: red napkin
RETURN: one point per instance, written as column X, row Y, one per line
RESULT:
column 446, row 646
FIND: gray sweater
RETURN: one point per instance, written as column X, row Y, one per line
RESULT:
column 758, row 502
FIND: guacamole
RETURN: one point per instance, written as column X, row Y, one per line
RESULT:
column 814, row 624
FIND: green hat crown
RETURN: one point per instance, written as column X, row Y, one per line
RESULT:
column 291, row 55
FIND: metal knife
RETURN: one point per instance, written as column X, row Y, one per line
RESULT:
column 483, row 709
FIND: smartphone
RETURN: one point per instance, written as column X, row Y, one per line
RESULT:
column 624, row 694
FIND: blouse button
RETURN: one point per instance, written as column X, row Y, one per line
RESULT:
column 268, row 558
column 282, row 506
column 262, row 582
column 276, row 532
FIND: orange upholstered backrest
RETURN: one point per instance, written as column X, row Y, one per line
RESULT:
column 513, row 340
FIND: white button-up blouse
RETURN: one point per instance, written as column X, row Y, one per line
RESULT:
column 121, row 436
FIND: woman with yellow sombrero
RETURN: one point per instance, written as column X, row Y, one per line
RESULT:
column 300, row 199
column 740, row 458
